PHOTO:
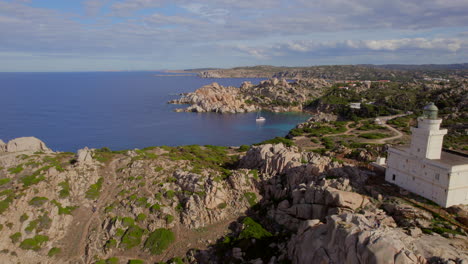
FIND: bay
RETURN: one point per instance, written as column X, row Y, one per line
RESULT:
column 123, row 110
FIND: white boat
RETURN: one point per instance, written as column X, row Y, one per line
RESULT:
column 259, row 118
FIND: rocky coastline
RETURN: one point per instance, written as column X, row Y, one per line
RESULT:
column 276, row 95
column 268, row 204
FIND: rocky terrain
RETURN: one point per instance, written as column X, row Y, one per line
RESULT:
column 204, row 204
column 277, row 95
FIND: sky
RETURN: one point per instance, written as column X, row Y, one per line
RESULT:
column 103, row 35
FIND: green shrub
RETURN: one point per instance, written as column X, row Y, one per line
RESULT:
column 16, row 170
column 54, row 251
column 34, row 243
column 4, row 181
column 159, row 240
column 43, row 222
column 15, row 238
column 94, row 190
column 131, row 237
column 277, row 140
column 169, row 218
column 176, row 260
column 128, row 221
column 155, row 208
column 254, row 173
column 141, row 217
column 135, row 261
column 243, row 148
column 222, row 205
column 111, row 243
column 253, row 229
column 158, row 169
column 38, row 201
column 5, row 203
column 169, row 194
column 34, row 178
column 67, row 210
column 373, row 135
column 23, row 217
column 65, row 191
column 251, row 198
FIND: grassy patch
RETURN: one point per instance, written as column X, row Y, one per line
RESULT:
column 141, row 217
column 54, row 251
column 5, row 203
column 373, row 135
column 251, row 198
column 16, row 170
column 65, row 191
column 38, row 201
column 155, row 208
column 111, row 243
column 201, row 158
column 253, row 229
column 277, row 140
column 4, row 181
column 94, row 190
column 136, row 261
column 131, row 237
column 159, row 240
column 34, row 243
column 67, row 210
column 24, row 217
column 43, row 222
column 169, row 218
column 243, row 148
column 15, row 238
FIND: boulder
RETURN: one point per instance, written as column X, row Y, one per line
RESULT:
column 349, row 238
column 408, row 216
column 271, row 159
column 26, row 144
column 2, row 146
column 84, row 156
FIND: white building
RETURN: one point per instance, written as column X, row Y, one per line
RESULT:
column 425, row 169
column 355, row 105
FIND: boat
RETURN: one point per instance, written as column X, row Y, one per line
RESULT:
column 259, row 118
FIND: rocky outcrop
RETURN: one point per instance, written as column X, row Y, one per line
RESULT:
column 84, row 156
column 350, row 238
column 219, row 201
column 271, row 159
column 216, row 98
column 2, row 146
column 31, row 144
column 277, row 95
column 408, row 216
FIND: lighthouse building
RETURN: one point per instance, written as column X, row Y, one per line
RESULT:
column 427, row 170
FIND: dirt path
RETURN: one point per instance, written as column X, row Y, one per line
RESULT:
column 84, row 217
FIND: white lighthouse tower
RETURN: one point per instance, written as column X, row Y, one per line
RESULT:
column 427, row 138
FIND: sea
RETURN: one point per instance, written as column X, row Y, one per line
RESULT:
column 124, row 110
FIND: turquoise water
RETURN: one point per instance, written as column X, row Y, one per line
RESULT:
column 123, row 110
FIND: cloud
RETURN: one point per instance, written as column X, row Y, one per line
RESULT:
column 93, row 7
column 394, row 46
column 244, row 31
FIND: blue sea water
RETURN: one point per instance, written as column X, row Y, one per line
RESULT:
column 122, row 110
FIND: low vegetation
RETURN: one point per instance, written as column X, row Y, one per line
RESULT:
column 159, row 240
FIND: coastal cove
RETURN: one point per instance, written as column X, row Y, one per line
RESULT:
column 123, row 110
